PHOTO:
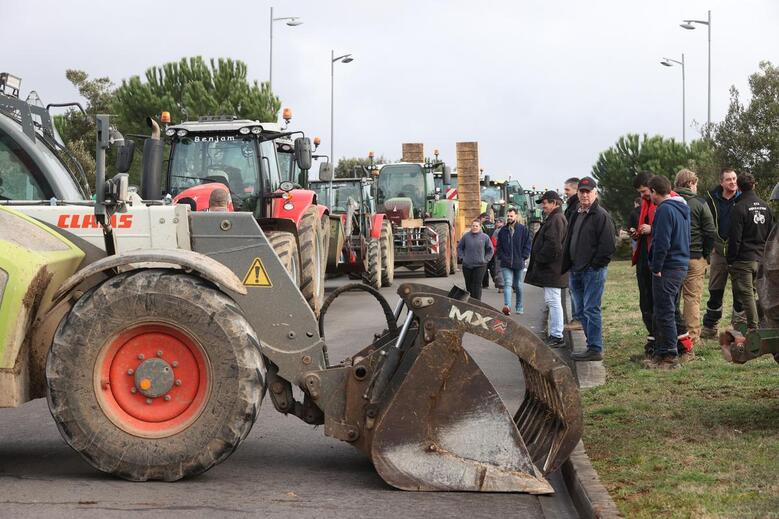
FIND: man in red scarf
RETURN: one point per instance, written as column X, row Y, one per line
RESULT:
column 643, row 236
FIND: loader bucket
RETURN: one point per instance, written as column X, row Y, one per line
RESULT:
column 441, row 425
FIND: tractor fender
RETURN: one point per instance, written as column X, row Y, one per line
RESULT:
column 278, row 224
column 299, row 201
column 322, row 211
column 202, row 265
column 376, row 221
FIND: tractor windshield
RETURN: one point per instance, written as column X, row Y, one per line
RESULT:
column 199, row 160
column 490, row 194
column 288, row 167
column 402, row 180
column 342, row 191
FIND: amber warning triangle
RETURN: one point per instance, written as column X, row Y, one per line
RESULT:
column 257, row 276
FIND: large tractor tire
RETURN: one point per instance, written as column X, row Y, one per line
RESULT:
column 387, row 255
column 286, row 248
column 372, row 274
column 312, row 260
column 453, row 247
column 439, row 267
column 155, row 374
column 325, row 227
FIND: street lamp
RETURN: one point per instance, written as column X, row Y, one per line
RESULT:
column 346, row 58
column 292, row 21
column 668, row 62
column 689, row 25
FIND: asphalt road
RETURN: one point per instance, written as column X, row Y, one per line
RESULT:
column 285, row 468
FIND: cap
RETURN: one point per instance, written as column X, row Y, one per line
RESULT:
column 587, row 183
column 549, row 196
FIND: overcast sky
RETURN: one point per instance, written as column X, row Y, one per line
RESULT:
column 543, row 86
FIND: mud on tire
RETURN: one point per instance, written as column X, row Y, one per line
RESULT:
column 439, row 267
column 387, row 255
column 313, row 260
column 82, row 402
column 372, row 274
column 286, row 248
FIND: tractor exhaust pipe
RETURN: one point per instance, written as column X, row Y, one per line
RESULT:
column 152, row 163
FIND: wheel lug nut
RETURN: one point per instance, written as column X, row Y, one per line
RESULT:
column 167, row 398
column 178, row 382
column 159, row 353
column 133, row 390
column 175, row 363
column 130, row 371
column 141, row 356
column 148, row 400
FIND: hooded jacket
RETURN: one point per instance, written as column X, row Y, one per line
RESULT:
column 751, row 222
column 720, row 209
column 702, row 229
column 670, row 236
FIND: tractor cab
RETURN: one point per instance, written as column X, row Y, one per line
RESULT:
column 404, row 188
column 239, row 154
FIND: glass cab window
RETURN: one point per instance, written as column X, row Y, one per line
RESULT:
column 20, row 178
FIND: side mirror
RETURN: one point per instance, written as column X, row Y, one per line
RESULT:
column 447, row 176
column 303, row 179
column 124, row 156
column 325, row 171
column 303, row 153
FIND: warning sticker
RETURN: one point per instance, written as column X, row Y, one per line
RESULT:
column 257, row 276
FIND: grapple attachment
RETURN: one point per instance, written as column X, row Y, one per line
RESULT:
column 419, row 405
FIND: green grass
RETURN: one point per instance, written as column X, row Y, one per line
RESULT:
column 700, row 441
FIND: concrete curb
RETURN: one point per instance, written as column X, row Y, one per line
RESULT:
column 589, row 496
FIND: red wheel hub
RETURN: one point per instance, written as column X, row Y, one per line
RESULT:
column 152, row 380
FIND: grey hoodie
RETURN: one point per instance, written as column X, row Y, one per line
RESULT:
column 475, row 249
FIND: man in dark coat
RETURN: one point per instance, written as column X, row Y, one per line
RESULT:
column 589, row 245
column 571, row 190
column 546, row 263
column 513, row 249
column 750, row 225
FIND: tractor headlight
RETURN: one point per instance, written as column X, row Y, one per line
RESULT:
column 181, row 133
column 170, row 132
column 288, row 206
column 256, row 130
column 244, row 131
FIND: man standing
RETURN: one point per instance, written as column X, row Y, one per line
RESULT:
column 702, row 234
column 721, row 201
column 570, row 188
column 668, row 257
column 642, row 233
column 546, row 263
column 513, row 250
column 475, row 250
column 750, row 225
column 589, row 245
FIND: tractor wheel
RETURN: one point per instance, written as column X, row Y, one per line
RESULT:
column 312, row 260
column 325, row 226
column 439, row 267
column 387, row 255
column 372, row 274
column 155, row 374
column 286, row 248
column 453, row 247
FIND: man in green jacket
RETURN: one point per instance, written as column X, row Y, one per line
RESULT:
column 702, row 236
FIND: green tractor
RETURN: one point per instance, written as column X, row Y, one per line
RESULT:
column 423, row 222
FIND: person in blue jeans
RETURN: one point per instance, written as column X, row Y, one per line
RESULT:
column 589, row 245
column 669, row 257
column 513, row 250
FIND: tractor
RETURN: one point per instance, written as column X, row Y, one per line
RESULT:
column 423, row 224
column 368, row 250
column 155, row 359
column 242, row 155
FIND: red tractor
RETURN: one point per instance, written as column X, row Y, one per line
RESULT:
column 241, row 155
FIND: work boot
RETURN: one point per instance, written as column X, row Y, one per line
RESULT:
column 708, row 333
column 589, row 355
column 665, row 362
column 573, row 325
column 738, row 318
column 555, row 342
column 649, row 347
column 506, row 310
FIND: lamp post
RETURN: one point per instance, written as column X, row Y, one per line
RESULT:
column 689, row 25
column 292, row 21
column 346, row 58
column 668, row 62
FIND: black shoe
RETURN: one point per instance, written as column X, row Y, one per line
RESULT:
column 555, row 342
column 588, row 355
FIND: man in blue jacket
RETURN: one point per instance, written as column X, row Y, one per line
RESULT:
column 514, row 245
column 669, row 257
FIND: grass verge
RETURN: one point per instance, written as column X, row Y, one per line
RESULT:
column 700, row 441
